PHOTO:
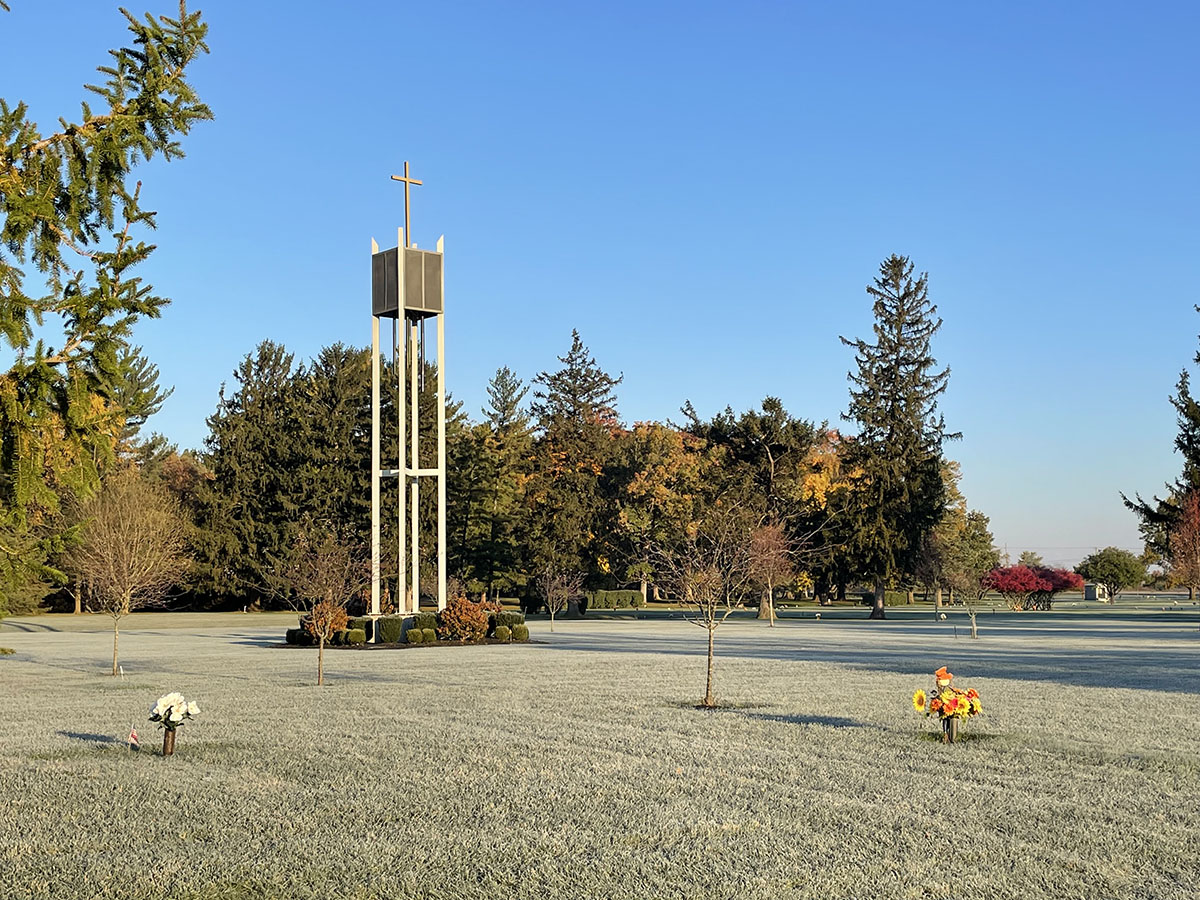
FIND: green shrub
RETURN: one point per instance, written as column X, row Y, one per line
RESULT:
column 463, row 620
column 423, row 620
column 414, row 636
column 360, row 622
column 505, row 617
column 430, row 634
column 356, row 636
column 503, row 633
column 890, row 598
column 389, row 629
column 510, row 618
column 338, row 638
column 292, row 635
column 7, row 651
column 614, row 599
column 520, row 632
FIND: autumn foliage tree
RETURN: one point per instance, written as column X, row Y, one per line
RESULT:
column 132, row 549
column 1031, row 588
column 770, row 563
column 321, row 576
column 1185, row 545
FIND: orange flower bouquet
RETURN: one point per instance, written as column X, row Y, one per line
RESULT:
column 950, row 704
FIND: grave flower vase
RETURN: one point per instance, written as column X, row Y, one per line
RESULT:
column 950, row 727
column 168, row 742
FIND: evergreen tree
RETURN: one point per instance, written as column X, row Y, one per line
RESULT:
column 506, row 394
column 576, row 413
column 70, row 212
column 249, row 507
column 1157, row 517
column 899, row 493
column 505, row 445
column 136, row 393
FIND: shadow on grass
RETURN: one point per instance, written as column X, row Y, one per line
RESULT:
column 800, row 719
column 964, row 737
column 90, row 738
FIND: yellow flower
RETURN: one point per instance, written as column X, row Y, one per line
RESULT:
column 919, row 701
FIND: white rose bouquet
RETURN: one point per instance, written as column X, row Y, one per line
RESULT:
column 170, row 712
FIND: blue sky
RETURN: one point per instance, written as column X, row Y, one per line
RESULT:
column 703, row 190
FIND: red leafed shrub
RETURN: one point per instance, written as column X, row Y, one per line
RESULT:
column 1031, row 588
column 327, row 618
column 463, row 620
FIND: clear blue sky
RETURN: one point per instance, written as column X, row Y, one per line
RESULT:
column 703, row 190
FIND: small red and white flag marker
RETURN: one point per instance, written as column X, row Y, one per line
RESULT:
column 133, row 738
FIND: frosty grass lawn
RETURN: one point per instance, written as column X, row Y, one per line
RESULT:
column 579, row 768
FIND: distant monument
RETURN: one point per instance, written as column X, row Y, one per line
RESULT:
column 407, row 285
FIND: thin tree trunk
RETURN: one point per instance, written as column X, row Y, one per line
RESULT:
column 116, row 635
column 771, row 602
column 764, row 605
column 551, row 620
column 937, row 598
column 909, row 599
column 1192, row 593
column 974, row 627
column 321, row 659
column 878, row 606
column 78, row 595
column 708, row 694
column 644, row 586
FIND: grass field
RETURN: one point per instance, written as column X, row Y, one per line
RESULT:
column 578, row 767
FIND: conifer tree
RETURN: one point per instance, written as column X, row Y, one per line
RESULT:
column 71, row 215
column 898, row 493
column 248, row 508
column 136, row 393
column 1157, row 517
column 576, row 413
column 507, row 443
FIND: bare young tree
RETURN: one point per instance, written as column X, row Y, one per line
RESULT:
column 707, row 568
column 556, row 586
column 322, row 574
column 133, row 547
column 1185, row 545
column 770, row 561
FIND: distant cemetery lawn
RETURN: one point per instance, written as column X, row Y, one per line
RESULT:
column 580, row 767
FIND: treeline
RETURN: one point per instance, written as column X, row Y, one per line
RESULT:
column 551, row 493
column 547, row 486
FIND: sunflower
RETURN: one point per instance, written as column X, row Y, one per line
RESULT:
column 919, row 701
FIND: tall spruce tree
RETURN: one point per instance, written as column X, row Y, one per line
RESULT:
column 898, row 493
column 1157, row 517
column 496, row 557
column 576, row 413
column 70, row 212
column 248, row 510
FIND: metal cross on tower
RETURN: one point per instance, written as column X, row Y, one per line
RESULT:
column 407, row 285
column 408, row 182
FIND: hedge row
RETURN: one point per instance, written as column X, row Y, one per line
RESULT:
column 340, row 638
column 420, row 628
column 614, row 600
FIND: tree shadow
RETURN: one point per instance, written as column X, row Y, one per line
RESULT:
column 801, row 719
column 90, row 738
